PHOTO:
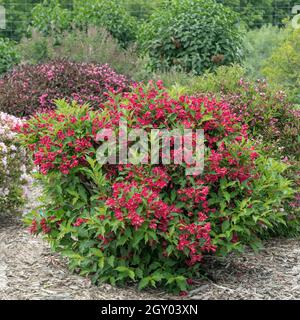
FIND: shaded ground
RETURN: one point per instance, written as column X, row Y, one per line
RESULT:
column 29, row 270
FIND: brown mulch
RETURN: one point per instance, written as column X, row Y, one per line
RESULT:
column 29, row 270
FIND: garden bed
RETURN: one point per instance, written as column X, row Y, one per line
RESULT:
column 29, row 270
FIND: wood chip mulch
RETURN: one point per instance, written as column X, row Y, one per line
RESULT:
column 29, row 270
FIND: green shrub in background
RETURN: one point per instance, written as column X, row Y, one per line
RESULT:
column 256, row 13
column 96, row 46
column 191, row 36
column 35, row 49
column 259, row 44
column 109, row 14
column 50, row 18
column 8, row 55
column 18, row 15
column 283, row 66
column 142, row 9
column 225, row 79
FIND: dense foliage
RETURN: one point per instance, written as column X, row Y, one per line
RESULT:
column 29, row 88
column 8, row 55
column 256, row 13
column 18, row 16
column 272, row 119
column 191, row 36
column 283, row 67
column 150, row 223
column 267, row 110
column 50, row 17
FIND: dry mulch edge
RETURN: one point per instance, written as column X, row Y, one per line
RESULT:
column 29, row 270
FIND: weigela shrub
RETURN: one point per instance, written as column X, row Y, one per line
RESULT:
column 272, row 119
column 191, row 36
column 14, row 166
column 29, row 88
column 150, row 223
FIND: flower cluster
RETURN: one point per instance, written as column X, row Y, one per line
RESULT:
column 14, row 173
column 147, row 222
column 30, row 88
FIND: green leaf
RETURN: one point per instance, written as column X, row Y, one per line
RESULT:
column 96, row 252
column 225, row 226
column 127, row 271
column 144, row 283
column 111, row 261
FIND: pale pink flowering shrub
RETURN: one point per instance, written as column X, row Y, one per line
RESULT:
column 14, row 166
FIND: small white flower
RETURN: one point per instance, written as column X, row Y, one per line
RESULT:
column 13, row 148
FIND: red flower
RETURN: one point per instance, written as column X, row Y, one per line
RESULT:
column 183, row 293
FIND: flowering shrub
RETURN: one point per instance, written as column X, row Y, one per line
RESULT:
column 29, row 88
column 267, row 111
column 14, row 166
column 272, row 119
column 269, row 114
column 150, row 223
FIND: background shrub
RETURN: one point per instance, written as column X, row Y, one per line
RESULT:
column 96, row 46
column 109, row 14
column 266, row 109
column 256, row 13
column 18, row 16
column 191, row 36
column 14, row 167
column 29, row 88
column 8, row 55
column 50, row 18
column 150, row 223
column 259, row 44
column 283, row 67
column 142, row 9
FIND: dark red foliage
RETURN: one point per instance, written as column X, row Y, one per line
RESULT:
column 29, row 88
